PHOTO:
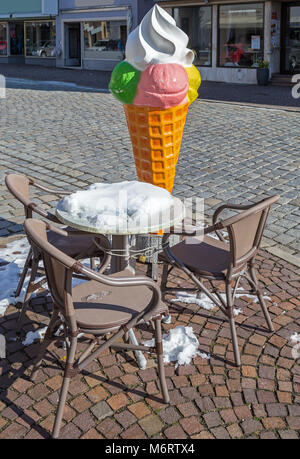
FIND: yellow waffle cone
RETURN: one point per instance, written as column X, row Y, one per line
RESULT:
column 156, row 136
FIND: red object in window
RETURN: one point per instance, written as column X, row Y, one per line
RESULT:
column 3, row 45
column 235, row 52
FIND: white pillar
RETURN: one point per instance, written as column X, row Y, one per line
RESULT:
column 267, row 32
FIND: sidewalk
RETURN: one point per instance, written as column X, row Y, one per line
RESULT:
column 210, row 398
column 234, row 93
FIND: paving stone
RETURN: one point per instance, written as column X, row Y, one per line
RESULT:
column 101, row 410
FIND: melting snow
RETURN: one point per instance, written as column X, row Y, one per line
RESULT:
column 205, row 303
column 295, row 337
column 33, row 336
column 120, row 206
column 12, row 260
column 180, row 345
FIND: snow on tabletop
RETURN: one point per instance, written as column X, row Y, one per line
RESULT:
column 122, row 205
column 180, row 345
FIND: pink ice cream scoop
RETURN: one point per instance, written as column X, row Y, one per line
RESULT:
column 162, row 86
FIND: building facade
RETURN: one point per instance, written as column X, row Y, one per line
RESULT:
column 86, row 34
column 230, row 38
column 91, row 34
column 28, row 31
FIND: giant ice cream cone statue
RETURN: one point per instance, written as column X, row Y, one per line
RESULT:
column 156, row 84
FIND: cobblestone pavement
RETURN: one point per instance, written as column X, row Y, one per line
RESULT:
column 70, row 139
column 209, row 398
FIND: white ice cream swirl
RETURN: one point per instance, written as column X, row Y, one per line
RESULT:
column 157, row 40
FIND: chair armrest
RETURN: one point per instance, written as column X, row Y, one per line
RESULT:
column 48, row 190
column 220, row 209
column 43, row 213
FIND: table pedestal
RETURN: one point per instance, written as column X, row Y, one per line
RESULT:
column 119, row 263
column 121, row 245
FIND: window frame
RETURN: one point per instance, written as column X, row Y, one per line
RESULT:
column 5, row 55
column 25, row 37
column 218, row 34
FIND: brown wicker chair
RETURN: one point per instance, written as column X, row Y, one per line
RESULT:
column 103, row 305
column 220, row 260
column 76, row 244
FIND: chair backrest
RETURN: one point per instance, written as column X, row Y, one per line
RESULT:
column 58, row 266
column 246, row 229
column 19, row 186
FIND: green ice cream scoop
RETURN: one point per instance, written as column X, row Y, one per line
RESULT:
column 124, row 81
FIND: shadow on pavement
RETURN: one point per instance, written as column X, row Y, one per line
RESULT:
column 280, row 96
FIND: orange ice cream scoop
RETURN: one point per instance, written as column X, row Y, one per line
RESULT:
column 162, row 86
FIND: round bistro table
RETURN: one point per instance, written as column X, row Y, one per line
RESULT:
column 120, row 245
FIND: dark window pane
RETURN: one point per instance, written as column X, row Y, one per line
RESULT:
column 196, row 23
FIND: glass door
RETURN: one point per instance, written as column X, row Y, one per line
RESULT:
column 291, row 38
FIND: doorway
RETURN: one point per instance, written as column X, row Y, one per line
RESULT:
column 16, row 35
column 290, row 58
column 73, row 44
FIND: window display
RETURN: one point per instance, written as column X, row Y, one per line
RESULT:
column 241, row 35
column 40, row 39
column 3, row 39
column 105, row 39
column 196, row 23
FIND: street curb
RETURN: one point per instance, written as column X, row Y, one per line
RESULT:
column 281, row 253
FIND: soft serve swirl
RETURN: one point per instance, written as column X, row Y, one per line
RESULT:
column 157, row 40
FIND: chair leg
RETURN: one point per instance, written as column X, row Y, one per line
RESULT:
column 45, row 343
column 24, row 273
column 92, row 263
column 261, row 298
column 164, row 279
column 161, row 368
column 64, row 389
column 34, row 268
column 235, row 345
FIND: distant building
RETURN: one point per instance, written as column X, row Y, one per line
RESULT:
column 87, row 34
column 27, row 31
column 229, row 38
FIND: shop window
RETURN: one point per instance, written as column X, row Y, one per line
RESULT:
column 196, row 23
column 105, row 39
column 3, row 39
column 241, row 35
column 40, row 39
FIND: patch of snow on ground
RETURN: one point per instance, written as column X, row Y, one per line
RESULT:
column 180, row 345
column 33, row 336
column 295, row 337
column 205, row 303
column 12, row 260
